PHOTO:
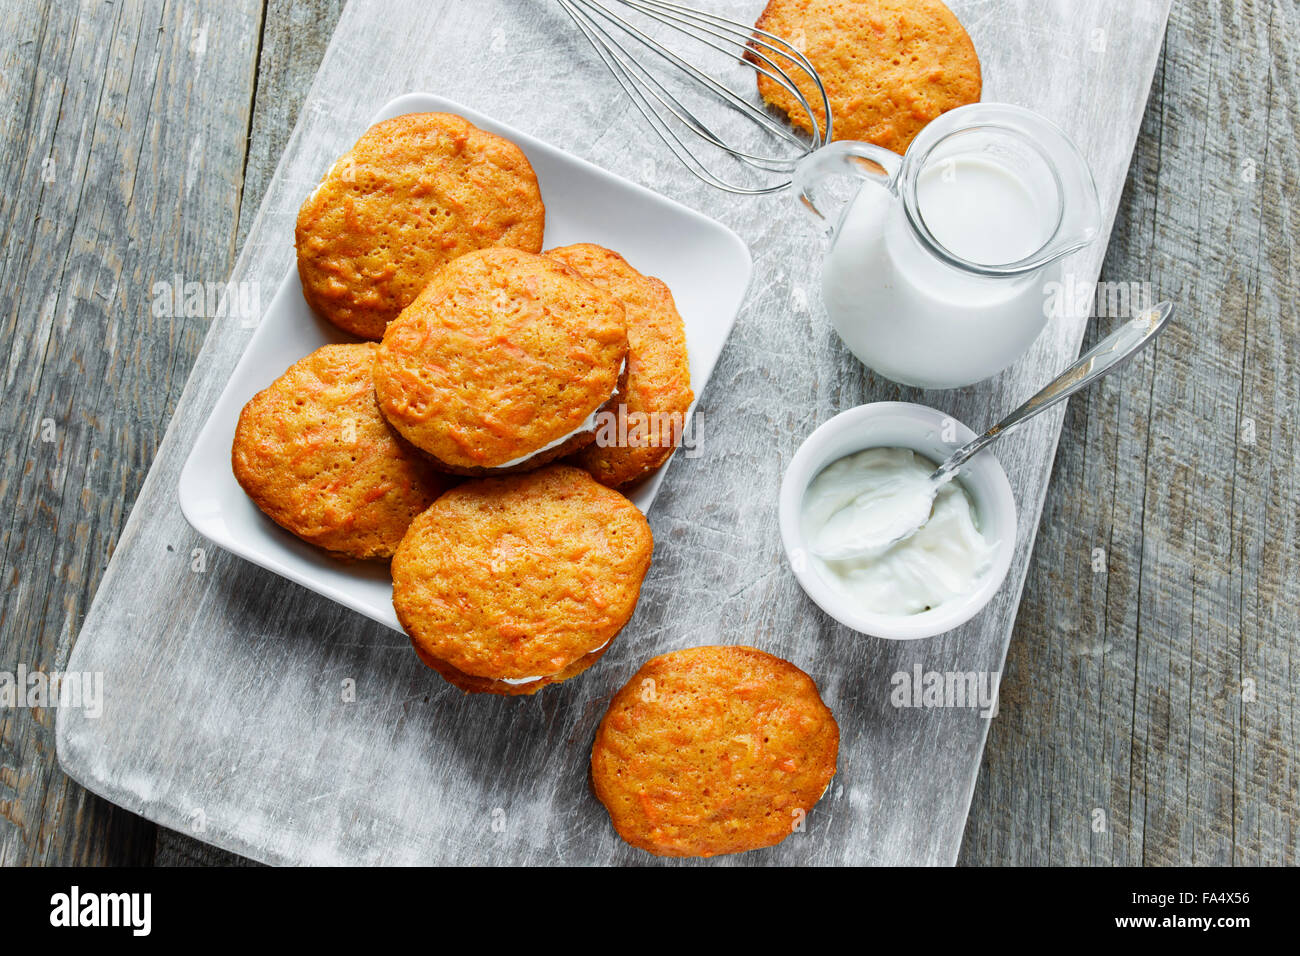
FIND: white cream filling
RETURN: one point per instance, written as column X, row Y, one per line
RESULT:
column 529, row 680
column 588, row 425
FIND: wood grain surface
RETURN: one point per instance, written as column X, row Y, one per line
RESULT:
column 1123, row 691
column 123, row 152
column 1161, row 691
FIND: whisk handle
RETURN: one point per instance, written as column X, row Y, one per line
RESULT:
column 844, row 158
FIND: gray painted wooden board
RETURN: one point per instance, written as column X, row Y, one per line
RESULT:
column 294, row 37
column 223, row 711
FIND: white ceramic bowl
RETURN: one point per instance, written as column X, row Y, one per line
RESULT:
column 922, row 429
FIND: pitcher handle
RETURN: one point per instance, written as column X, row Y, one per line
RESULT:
column 863, row 161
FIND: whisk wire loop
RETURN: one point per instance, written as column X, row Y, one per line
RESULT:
column 609, row 34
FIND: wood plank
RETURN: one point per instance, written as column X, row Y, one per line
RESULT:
column 374, row 793
column 295, row 34
column 1124, row 691
column 123, row 126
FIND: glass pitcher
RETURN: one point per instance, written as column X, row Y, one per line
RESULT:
column 939, row 267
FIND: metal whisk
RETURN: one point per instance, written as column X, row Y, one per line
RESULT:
column 614, row 37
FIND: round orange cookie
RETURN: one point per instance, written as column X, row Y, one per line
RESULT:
column 501, row 361
column 415, row 192
column 889, row 66
column 508, row 584
column 713, row 750
column 316, row 456
column 650, row 419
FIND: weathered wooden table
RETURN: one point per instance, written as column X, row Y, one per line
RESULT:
column 1148, row 710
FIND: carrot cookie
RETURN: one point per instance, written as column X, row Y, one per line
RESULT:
column 415, row 192
column 889, row 66
column 508, row 584
column 713, row 750
column 648, row 425
column 501, row 362
column 316, row 456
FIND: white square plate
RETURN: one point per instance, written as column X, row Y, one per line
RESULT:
column 706, row 265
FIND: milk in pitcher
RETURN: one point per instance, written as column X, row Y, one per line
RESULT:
column 916, row 319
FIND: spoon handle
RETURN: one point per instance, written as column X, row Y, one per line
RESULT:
column 1109, row 354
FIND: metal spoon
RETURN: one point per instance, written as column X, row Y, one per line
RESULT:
column 1111, row 353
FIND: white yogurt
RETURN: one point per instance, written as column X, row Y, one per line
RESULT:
column 860, row 497
column 916, row 319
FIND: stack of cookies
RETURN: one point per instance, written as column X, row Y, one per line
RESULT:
column 462, row 438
